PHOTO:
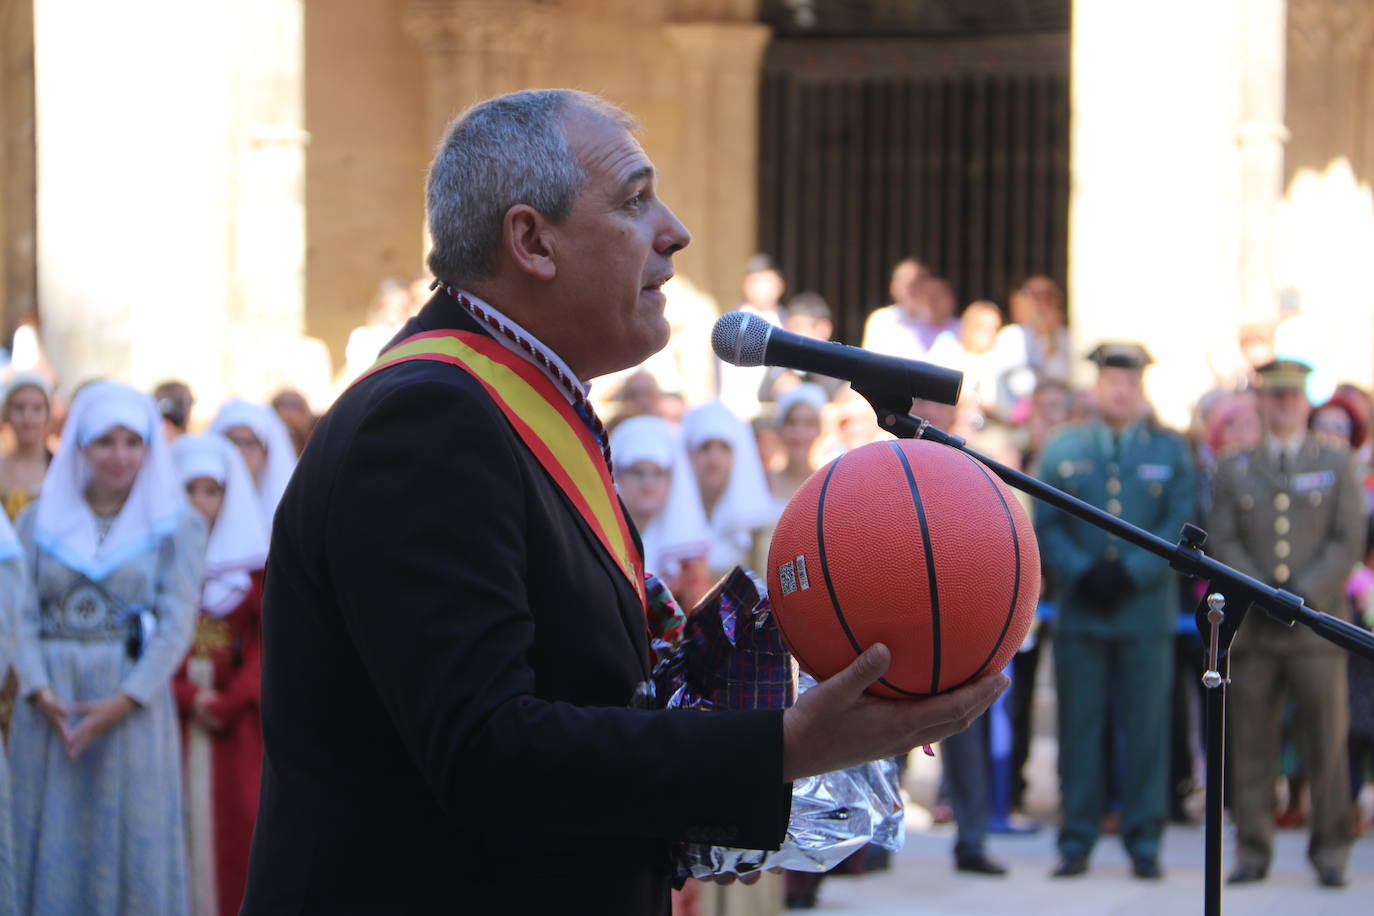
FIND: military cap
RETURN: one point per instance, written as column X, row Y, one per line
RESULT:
column 1119, row 355
column 1283, row 375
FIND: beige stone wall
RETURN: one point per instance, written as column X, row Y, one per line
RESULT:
column 18, row 270
column 366, row 160
column 377, row 101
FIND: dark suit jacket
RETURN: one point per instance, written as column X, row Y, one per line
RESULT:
column 448, row 656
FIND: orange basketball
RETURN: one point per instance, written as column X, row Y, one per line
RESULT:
column 912, row 544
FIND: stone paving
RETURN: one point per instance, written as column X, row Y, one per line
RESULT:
column 922, row 879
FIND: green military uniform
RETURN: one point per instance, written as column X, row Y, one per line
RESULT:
column 1294, row 518
column 1113, row 631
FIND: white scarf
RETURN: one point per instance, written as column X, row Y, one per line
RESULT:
column 238, row 540
column 276, row 441
column 65, row 526
column 805, row 393
column 679, row 530
column 746, row 503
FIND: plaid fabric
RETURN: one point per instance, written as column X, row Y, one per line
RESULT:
column 664, row 616
column 731, row 655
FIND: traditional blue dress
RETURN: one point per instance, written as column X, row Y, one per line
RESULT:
column 104, row 834
column 13, row 590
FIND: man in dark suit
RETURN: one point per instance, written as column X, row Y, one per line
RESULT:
column 451, row 650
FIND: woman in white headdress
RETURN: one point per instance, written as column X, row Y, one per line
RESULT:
column 217, row 689
column 655, row 481
column 265, row 443
column 798, row 421
column 114, row 556
column 731, row 483
column 27, row 411
column 14, row 589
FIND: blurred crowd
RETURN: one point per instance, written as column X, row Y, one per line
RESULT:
column 133, row 543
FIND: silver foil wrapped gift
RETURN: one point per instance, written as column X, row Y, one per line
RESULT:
column 732, row 656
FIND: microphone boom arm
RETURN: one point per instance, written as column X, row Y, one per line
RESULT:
column 1186, row 556
column 1219, row 614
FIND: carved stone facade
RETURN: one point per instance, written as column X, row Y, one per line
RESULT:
column 1326, row 219
column 1331, row 84
column 1202, row 184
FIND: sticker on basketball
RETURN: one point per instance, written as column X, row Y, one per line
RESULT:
column 912, row 544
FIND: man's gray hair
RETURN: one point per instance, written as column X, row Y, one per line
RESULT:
column 506, row 151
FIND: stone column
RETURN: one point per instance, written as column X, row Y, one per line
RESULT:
column 169, row 195
column 1260, row 138
column 716, row 182
column 133, row 198
column 1155, row 207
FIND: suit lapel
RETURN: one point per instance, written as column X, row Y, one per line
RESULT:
column 631, row 612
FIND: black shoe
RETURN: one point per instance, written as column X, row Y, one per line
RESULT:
column 1330, row 877
column 1247, row 874
column 1146, row 868
column 979, row 864
column 801, row 902
column 1070, row 867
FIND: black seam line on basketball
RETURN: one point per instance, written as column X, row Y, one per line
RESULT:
column 830, row 586
column 930, row 568
column 1016, row 579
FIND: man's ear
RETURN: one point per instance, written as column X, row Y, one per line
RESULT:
column 527, row 240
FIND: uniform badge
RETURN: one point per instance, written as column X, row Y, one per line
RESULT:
column 1313, row 480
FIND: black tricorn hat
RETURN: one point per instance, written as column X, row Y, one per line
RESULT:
column 1118, row 355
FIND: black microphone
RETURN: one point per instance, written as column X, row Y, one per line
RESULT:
column 741, row 339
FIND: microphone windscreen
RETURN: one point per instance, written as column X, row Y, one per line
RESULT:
column 740, row 339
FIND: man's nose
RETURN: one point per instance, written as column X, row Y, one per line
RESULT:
column 673, row 235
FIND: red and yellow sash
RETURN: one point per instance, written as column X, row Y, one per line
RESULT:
column 548, row 425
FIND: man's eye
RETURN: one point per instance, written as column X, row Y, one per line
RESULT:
column 635, row 201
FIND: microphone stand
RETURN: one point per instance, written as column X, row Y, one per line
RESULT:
column 1219, row 615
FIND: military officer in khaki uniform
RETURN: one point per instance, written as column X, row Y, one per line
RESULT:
column 1290, row 513
column 1116, row 608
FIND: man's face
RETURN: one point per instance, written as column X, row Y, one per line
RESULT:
column 1120, row 395
column 763, row 289
column 939, row 300
column 612, row 254
column 809, row 326
column 1284, row 411
column 1038, row 303
column 905, row 288
column 978, row 330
